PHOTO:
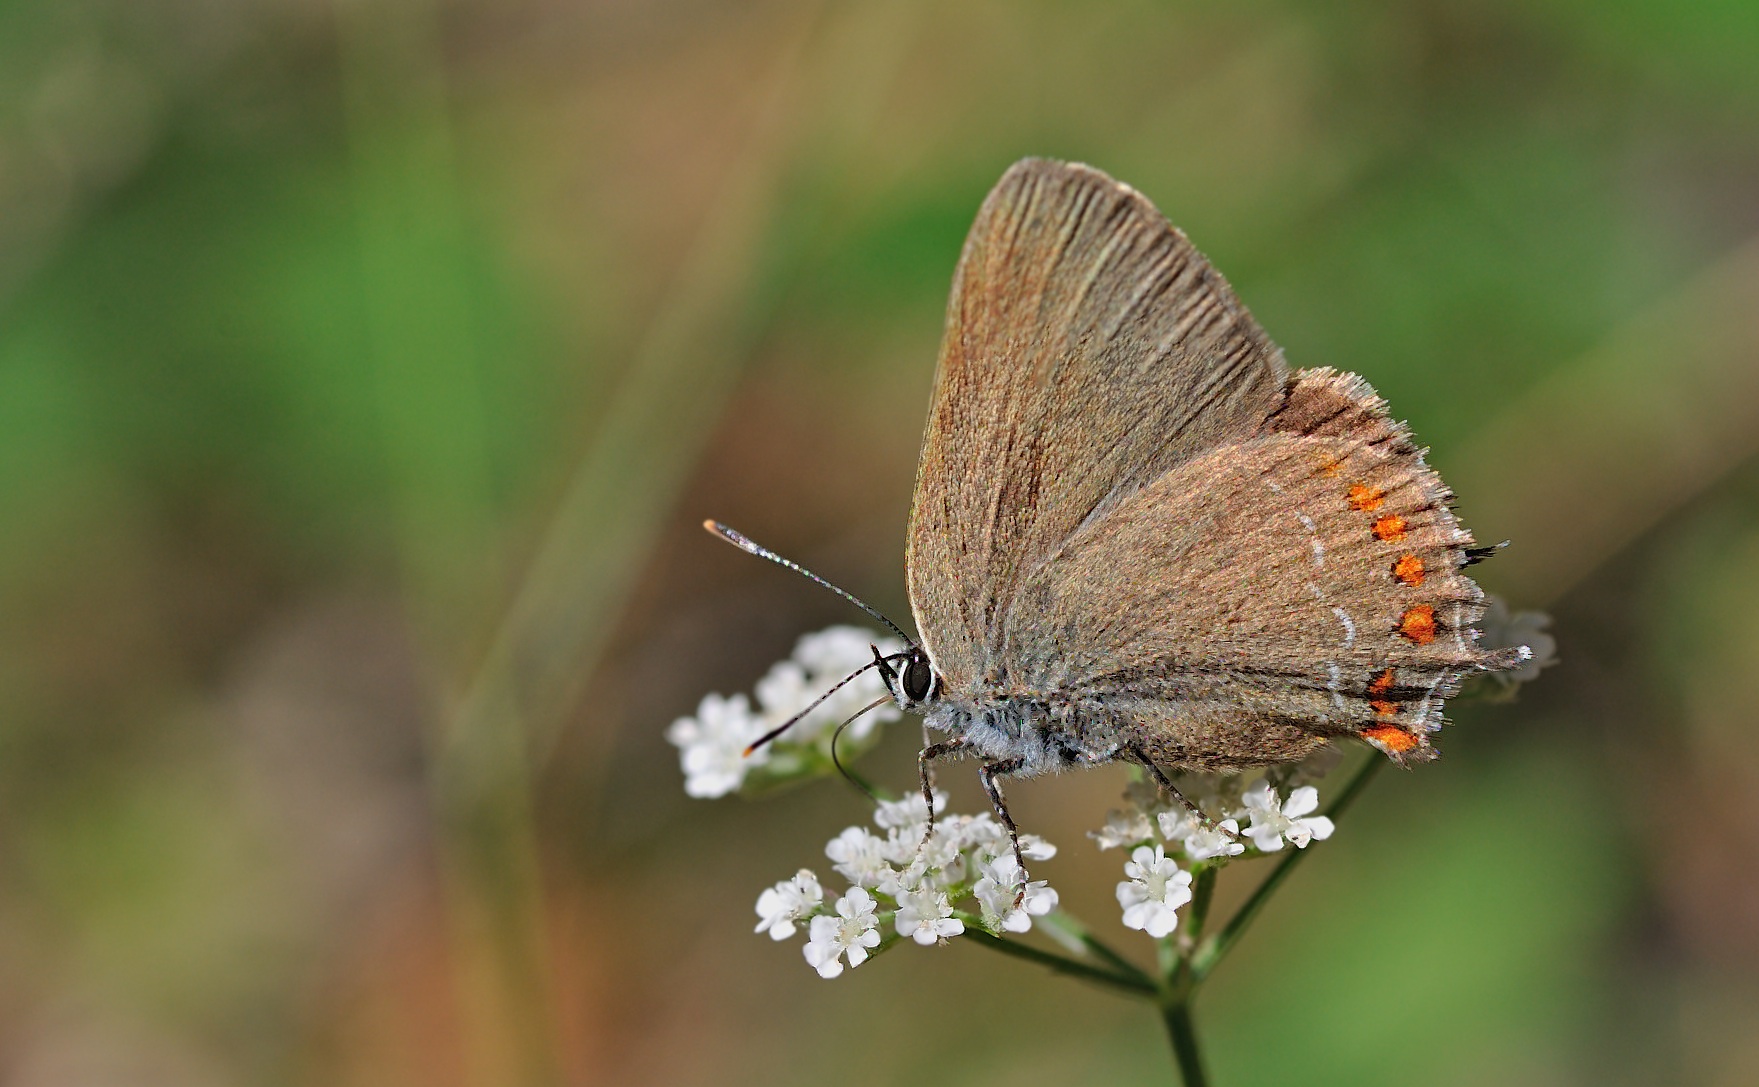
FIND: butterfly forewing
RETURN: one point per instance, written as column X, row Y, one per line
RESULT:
column 1089, row 348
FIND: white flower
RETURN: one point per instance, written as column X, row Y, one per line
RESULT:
column 820, row 661
column 980, row 835
column 915, row 875
column 926, row 916
column 944, row 858
column 940, row 850
column 1203, row 843
column 1304, row 826
column 908, row 812
column 837, row 651
column 997, row 890
column 1157, row 887
column 1199, row 839
column 908, row 842
column 859, row 856
column 712, row 745
column 1122, row 827
column 848, row 934
column 1273, row 821
column 787, row 902
column 782, row 693
column 1177, row 825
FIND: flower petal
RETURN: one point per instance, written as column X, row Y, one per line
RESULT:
column 1301, row 802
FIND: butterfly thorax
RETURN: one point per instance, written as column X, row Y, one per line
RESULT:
column 1045, row 736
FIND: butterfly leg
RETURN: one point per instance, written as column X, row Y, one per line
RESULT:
column 988, row 775
column 1140, row 757
column 929, row 754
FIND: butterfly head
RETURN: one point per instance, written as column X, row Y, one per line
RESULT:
column 910, row 678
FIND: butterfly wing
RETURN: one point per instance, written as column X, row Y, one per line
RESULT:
column 1304, row 582
column 1089, row 348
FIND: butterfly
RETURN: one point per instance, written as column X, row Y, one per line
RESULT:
column 1138, row 535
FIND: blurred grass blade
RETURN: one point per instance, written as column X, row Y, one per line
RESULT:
column 427, row 366
column 648, row 438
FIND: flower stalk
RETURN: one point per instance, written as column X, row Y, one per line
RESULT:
column 1123, row 977
column 1182, row 1034
column 1211, row 952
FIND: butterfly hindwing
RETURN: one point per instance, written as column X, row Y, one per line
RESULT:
column 1303, row 582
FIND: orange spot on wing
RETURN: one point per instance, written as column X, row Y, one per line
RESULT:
column 1364, row 498
column 1390, row 528
column 1385, row 709
column 1390, row 737
column 1382, row 683
column 1418, row 624
column 1409, row 569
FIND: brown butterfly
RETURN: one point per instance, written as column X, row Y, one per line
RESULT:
column 1137, row 535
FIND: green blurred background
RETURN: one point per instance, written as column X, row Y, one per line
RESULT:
column 365, row 371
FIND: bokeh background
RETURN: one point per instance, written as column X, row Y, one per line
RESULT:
column 366, row 368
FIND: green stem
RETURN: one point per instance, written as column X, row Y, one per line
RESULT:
column 1169, row 957
column 1202, row 891
column 1123, row 965
column 1175, row 1011
column 1179, row 982
column 1067, row 924
column 1134, row 985
column 1213, row 949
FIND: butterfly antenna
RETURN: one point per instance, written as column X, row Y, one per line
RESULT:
column 794, row 720
column 838, row 763
column 745, row 544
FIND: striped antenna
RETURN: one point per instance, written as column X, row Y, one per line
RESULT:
column 877, row 662
column 750, row 546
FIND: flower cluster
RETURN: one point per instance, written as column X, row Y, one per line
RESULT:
column 1160, row 833
column 907, row 883
column 712, row 743
column 908, row 880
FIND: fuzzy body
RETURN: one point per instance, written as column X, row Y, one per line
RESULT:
column 1046, row 737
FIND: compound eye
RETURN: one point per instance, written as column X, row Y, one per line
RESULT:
column 918, row 679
